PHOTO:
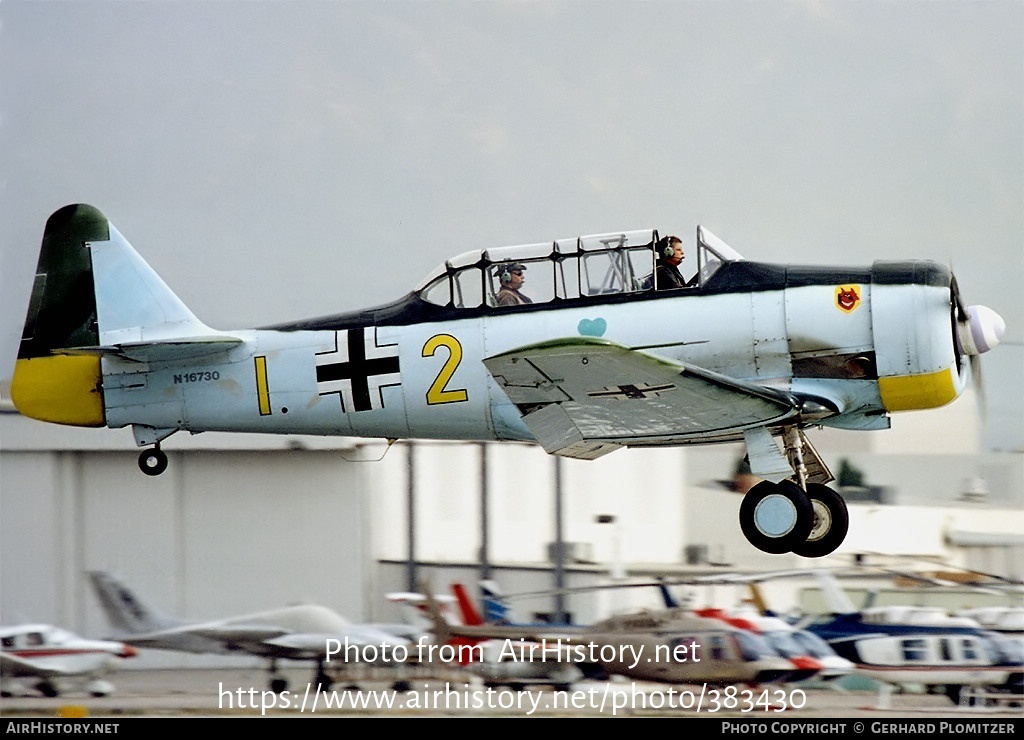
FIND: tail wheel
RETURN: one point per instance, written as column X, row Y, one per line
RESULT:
column 153, row 461
column 776, row 517
column 831, row 522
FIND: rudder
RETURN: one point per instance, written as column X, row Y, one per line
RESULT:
column 62, row 388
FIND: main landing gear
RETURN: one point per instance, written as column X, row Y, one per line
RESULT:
column 153, row 461
column 808, row 519
column 782, row 517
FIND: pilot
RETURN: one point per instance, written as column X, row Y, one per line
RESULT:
column 511, row 277
column 666, row 274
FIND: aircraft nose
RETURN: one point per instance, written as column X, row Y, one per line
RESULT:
column 985, row 329
column 128, row 651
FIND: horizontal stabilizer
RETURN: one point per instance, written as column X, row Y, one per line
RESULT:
column 160, row 351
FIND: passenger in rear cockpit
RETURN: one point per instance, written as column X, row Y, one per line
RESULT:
column 511, row 278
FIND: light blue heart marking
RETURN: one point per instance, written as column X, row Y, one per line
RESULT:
column 592, row 328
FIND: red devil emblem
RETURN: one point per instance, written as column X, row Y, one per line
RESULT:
column 848, row 297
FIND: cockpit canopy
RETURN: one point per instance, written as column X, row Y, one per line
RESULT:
column 567, row 269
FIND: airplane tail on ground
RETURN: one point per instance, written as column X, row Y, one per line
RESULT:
column 838, row 601
column 439, row 625
column 671, row 602
column 93, row 296
column 495, row 609
column 127, row 614
column 470, row 614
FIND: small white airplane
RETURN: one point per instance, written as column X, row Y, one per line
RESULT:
column 48, row 657
column 301, row 632
column 601, row 356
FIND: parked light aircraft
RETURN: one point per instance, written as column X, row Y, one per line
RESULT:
column 301, row 632
column 46, row 657
column 599, row 359
column 669, row 646
column 918, row 645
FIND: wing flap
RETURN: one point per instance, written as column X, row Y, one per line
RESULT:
column 583, row 397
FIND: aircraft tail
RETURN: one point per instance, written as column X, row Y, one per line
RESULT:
column 439, row 625
column 838, row 601
column 671, row 602
column 470, row 614
column 496, row 611
column 93, row 295
column 125, row 611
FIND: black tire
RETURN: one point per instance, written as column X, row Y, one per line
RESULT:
column 278, row 685
column 953, row 693
column 831, row 522
column 153, row 461
column 776, row 517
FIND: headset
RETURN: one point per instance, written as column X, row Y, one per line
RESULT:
column 505, row 275
column 666, row 248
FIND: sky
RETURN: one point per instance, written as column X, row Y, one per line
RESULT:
column 283, row 160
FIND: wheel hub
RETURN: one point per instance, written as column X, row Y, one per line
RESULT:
column 775, row 516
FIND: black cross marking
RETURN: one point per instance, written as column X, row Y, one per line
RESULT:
column 631, row 391
column 358, row 369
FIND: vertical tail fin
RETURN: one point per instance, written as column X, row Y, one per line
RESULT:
column 496, row 610
column 838, row 601
column 126, row 613
column 470, row 614
column 92, row 292
column 671, row 602
column 65, row 389
column 439, row 625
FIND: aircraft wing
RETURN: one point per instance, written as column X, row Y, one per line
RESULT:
column 208, row 638
column 313, row 644
column 584, row 397
column 14, row 667
column 239, row 634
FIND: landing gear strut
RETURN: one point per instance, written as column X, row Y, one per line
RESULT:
column 153, row 461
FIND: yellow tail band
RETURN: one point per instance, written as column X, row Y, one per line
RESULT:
column 63, row 389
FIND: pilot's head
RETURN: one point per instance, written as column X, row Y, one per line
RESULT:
column 511, row 274
column 670, row 250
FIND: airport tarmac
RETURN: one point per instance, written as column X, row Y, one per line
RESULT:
column 242, row 693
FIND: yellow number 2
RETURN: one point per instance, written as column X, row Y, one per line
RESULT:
column 438, row 393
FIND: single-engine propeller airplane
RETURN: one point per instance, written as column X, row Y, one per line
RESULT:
column 593, row 355
column 49, row 657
